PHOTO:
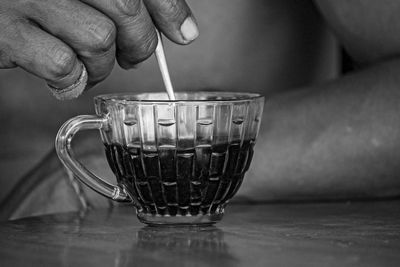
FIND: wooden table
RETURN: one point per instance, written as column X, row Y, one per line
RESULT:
column 324, row 234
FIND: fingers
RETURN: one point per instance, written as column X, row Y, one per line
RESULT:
column 43, row 55
column 174, row 18
column 58, row 40
column 136, row 38
column 87, row 31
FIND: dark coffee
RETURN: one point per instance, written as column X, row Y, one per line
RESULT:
column 194, row 181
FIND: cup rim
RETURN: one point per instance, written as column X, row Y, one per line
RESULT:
column 221, row 97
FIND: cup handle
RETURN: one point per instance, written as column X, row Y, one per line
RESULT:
column 65, row 153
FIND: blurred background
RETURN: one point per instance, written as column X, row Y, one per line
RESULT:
column 264, row 46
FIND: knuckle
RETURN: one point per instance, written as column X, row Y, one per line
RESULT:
column 63, row 61
column 103, row 36
column 129, row 7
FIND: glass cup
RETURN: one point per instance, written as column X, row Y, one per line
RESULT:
column 178, row 162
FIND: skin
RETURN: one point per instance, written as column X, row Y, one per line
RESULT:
column 339, row 139
column 51, row 38
column 334, row 140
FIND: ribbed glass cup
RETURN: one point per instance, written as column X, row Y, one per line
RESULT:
column 180, row 162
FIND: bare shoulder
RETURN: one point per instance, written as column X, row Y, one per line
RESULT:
column 368, row 29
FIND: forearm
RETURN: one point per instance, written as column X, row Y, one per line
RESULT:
column 336, row 140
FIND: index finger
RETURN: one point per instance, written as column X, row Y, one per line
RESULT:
column 136, row 35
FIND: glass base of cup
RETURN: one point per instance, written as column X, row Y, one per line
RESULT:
column 179, row 220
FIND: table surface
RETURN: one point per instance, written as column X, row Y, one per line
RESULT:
column 322, row 234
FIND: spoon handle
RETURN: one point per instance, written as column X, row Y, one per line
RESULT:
column 162, row 64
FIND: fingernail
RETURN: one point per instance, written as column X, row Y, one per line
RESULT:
column 189, row 29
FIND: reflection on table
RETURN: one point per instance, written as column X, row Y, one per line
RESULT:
column 325, row 234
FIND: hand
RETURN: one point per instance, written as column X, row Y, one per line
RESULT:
column 59, row 40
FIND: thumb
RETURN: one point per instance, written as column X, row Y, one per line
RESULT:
column 174, row 18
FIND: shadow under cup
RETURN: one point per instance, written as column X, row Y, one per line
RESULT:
column 179, row 162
